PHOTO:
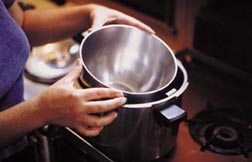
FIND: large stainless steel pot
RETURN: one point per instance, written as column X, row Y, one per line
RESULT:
column 126, row 58
column 146, row 131
column 146, row 70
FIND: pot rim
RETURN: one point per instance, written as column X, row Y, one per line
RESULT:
column 128, row 92
column 171, row 94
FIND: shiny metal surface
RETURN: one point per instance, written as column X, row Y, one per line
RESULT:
column 52, row 61
column 138, row 134
column 128, row 59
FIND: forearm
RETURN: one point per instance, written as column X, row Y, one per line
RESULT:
column 19, row 120
column 43, row 26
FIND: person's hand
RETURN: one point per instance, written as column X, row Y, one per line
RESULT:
column 65, row 105
column 101, row 15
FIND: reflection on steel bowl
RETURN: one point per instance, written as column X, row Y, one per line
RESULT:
column 129, row 59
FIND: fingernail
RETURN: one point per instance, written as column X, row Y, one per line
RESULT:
column 115, row 114
column 123, row 100
column 89, row 30
column 118, row 94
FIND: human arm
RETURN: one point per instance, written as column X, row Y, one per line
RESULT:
column 61, row 104
column 43, row 26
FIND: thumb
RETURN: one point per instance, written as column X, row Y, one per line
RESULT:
column 73, row 74
column 97, row 23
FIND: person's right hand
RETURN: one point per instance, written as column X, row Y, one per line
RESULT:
column 65, row 105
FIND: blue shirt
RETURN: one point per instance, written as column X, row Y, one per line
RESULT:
column 14, row 51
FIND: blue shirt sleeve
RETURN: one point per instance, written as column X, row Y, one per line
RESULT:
column 14, row 51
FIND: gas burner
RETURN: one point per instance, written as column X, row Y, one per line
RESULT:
column 50, row 62
column 222, row 130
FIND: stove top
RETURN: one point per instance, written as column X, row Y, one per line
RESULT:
column 224, row 130
column 219, row 116
column 219, row 122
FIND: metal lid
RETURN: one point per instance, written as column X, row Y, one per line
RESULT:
column 50, row 62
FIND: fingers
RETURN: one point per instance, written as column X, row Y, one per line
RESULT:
column 105, row 105
column 136, row 23
column 105, row 16
column 99, row 121
column 97, row 23
column 90, row 131
column 93, row 124
column 99, row 93
column 114, row 99
column 125, row 19
column 99, row 18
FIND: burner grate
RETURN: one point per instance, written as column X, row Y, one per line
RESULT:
column 222, row 130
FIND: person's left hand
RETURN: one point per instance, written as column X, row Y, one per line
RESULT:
column 101, row 15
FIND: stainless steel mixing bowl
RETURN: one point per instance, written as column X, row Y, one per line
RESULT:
column 129, row 59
